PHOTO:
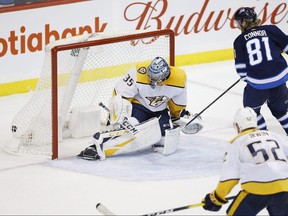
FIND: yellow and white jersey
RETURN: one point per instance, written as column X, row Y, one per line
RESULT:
column 135, row 86
column 258, row 159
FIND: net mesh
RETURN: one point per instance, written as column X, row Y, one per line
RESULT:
column 86, row 76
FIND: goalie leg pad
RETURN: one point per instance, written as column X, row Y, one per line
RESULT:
column 168, row 145
column 149, row 133
column 171, row 140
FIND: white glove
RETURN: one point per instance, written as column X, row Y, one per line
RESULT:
column 193, row 127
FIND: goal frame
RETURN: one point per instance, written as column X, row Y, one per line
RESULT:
column 54, row 69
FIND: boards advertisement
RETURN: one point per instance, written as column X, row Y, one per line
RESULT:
column 201, row 27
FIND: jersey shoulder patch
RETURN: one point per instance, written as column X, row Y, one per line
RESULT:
column 141, row 75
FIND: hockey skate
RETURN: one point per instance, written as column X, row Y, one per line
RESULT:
column 90, row 153
column 95, row 151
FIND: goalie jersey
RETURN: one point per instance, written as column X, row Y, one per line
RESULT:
column 257, row 158
column 258, row 56
column 135, row 87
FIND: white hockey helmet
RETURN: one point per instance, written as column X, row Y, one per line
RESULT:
column 245, row 118
column 158, row 71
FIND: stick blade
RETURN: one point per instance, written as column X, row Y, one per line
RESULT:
column 103, row 210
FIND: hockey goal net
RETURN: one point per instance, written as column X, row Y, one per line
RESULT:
column 78, row 73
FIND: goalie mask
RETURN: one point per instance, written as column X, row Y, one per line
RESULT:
column 245, row 118
column 158, row 71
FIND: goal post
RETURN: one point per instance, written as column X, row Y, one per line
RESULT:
column 77, row 74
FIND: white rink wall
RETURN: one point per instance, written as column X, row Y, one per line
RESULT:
column 199, row 26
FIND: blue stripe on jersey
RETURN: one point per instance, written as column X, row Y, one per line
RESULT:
column 240, row 66
column 241, row 70
column 286, row 49
column 270, row 82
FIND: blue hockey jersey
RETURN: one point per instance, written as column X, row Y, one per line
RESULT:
column 258, row 56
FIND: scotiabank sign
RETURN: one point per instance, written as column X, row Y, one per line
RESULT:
column 20, row 42
column 200, row 25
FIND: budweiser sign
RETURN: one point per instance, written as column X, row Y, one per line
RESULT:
column 152, row 14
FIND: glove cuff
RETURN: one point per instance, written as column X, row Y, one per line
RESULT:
column 185, row 114
column 216, row 200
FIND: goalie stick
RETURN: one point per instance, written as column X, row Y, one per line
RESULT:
column 105, row 211
column 198, row 114
column 125, row 124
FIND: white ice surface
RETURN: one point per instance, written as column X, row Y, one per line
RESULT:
column 133, row 184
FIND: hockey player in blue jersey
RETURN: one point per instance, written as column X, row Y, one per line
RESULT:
column 259, row 61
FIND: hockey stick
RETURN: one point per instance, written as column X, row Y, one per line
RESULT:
column 125, row 124
column 103, row 210
column 198, row 114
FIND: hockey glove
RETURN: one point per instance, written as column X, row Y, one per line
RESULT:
column 212, row 202
column 193, row 127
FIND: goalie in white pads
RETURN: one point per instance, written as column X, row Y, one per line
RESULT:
column 149, row 105
column 257, row 158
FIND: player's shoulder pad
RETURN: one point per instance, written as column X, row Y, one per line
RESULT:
column 273, row 29
column 141, row 73
column 242, row 134
column 177, row 77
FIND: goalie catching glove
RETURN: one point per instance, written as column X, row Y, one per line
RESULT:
column 212, row 202
column 193, row 127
